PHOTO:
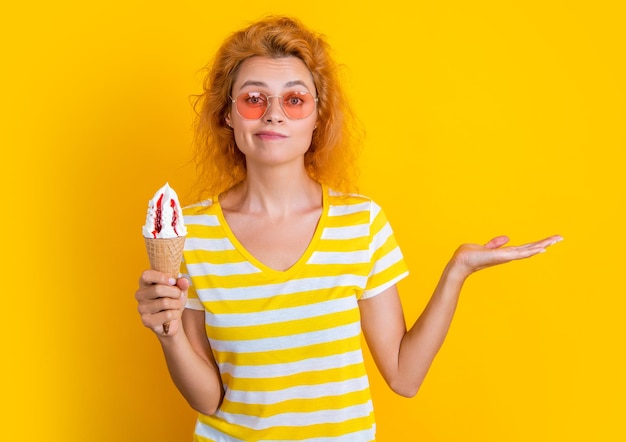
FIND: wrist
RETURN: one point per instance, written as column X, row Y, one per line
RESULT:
column 456, row 271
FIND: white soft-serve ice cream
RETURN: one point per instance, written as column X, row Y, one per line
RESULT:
column 165, row 216
column 164, row 234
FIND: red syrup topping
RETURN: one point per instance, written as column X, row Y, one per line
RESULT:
column 158, row 216
column 174, row 217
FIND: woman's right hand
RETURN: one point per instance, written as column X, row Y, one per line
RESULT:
column 161, row 300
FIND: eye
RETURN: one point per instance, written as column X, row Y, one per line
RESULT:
column 255, row 99
column 293, row 100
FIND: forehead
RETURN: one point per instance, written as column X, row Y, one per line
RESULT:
column 273, row 73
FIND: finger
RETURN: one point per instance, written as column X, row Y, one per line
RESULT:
column 157, row 291
column 158, row 305
column 155, row 315
column 526, row 251
column 149, row 277
column 544, row 243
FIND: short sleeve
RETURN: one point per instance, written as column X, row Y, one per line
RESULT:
column 387, row 262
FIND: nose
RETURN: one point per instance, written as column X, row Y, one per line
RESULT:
column 274, row 112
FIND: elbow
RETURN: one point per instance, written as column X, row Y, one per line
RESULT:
column 205, row 409
column 406, row 392
column 405, row 389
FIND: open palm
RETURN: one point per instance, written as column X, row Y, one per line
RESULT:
column 474, row 257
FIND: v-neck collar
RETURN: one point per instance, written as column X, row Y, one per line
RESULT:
column 304, row 258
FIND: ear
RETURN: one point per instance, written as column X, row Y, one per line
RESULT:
column 228, row 120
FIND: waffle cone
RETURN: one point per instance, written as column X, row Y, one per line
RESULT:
column 165, row 254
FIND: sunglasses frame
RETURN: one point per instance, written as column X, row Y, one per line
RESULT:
column 281, row 102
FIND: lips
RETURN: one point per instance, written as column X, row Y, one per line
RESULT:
column 270, row 135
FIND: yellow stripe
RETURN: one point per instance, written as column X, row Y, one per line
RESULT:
column 197, row 438
column 318, row 377
column 348, row 220
column 298, row 299
column 285, row 328
column 302, row 405
column 260, row 278
column 197, row 210
column 213, row 257
column 385, row 248
column 346, row 200
column 292, row 433
column 379, row 222
column 387, row 275
column 204, row 231
column 292, row 354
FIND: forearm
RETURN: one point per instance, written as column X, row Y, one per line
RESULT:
column 195, row 377
column 404, row 357
column 421, row 343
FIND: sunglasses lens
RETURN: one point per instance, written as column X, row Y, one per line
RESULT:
column 251, row 105
column 296, row 105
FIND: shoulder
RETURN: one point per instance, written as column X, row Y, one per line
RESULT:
column 199, row 208
column 203, row 213
column 352, row 203
column 202, row 220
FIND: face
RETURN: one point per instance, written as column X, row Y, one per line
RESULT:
column 275, row 138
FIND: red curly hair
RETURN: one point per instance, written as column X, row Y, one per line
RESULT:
column 331, row 158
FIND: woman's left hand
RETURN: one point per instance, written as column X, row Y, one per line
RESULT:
column 470, row 258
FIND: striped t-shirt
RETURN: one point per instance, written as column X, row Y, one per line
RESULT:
column 287, row 343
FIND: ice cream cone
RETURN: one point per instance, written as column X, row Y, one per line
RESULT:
column 164, row 233
column 165, row 254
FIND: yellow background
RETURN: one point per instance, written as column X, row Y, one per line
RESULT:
column 482, row 118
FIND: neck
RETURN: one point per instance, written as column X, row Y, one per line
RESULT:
column 277, row 192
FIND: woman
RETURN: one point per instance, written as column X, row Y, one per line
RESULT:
column 282, row 272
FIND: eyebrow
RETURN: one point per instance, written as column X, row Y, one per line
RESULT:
column 262, row 84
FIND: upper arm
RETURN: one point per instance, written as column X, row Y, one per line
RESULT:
column 193, row 324
column 382, row 322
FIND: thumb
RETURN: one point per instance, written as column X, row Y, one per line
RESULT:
column 496, row 242
column 183, row 284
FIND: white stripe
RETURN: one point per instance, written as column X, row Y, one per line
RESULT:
column 299, row 392
column 288, row 342
column 359, row 436
column 216, row 435
column 380, row 238
column 228, row 269
column 203, row 203
column 381, row 288
column 348, row 232
column 280, row 315
column 202, row 220
column 356, row 257
column 300, row 419
column 288, row 369
column 375, row 209
column 194, row 304
column 348, row 209
column 217, row 244
column 286, row 288
column 213, row 434
column 387, row 261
